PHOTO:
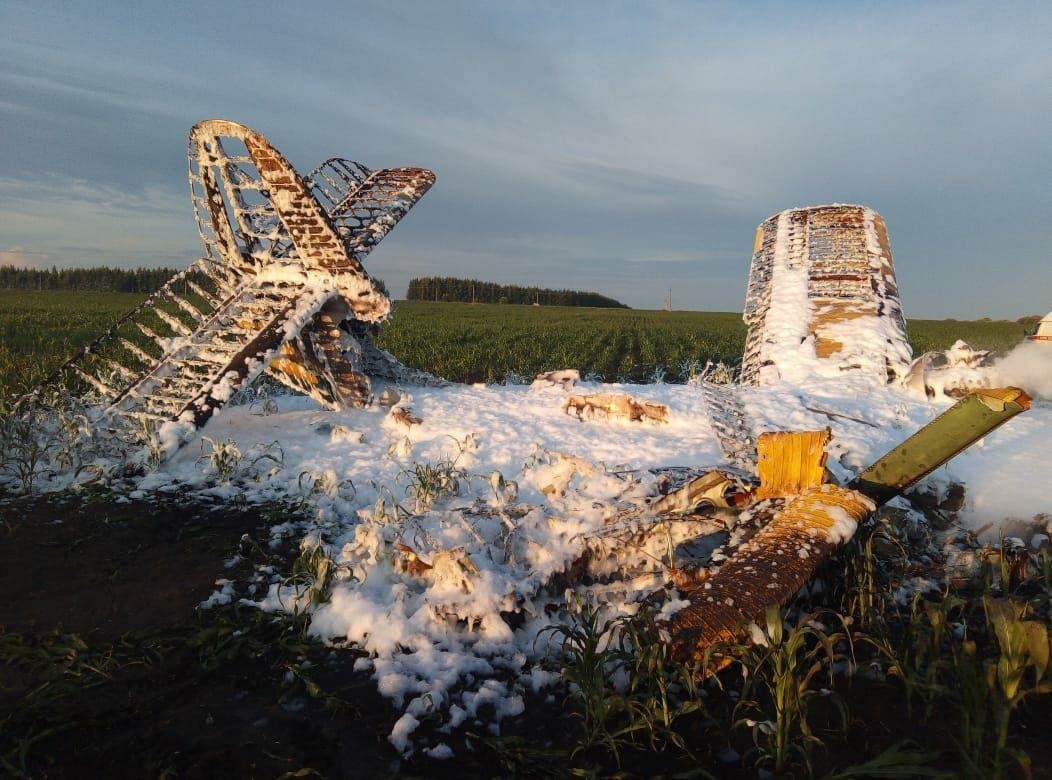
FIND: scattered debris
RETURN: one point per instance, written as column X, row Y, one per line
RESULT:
column 389, row 397
column 714, row 489
column 953, row 373
column 790, row 462
column 455, row 569
column 404, row 416
column 731, row 424
column 452, row 569
column 615, row 405
column 282, row 289
column 769, row 568
column 553, row 477
column 341, row 434
column 946, row 499
column 840, row 416
column 566, row 379
column 818, row 518
column 957, row 428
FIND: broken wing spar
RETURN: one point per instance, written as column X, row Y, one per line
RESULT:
column 818, row 519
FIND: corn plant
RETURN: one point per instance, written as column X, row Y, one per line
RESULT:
column 864, row 596
column 312, row 575
column 659, row 691
column 25, row 449
column 781, row 668
column 1042, row 580
column 428, row 482
column 905, row 759
column 400, row 448
column 1009, row 569
column 1024, row 653
column 46, row 438
column 387, row 509
column 326, row 483
column 145, row 433
column 224, row 458
column 658, row 375
column 916, row 654
column 971, row 696
column 505, row 491
column 264, row 461
column 584, row 648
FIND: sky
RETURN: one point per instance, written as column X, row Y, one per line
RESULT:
column 626, row 148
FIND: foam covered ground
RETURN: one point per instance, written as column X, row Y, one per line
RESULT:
column 438, row 643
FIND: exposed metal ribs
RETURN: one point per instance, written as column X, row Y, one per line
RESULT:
column 822, row 297
column 730, row 423
column 203, row 371
column 367, row 214
column 281, row 278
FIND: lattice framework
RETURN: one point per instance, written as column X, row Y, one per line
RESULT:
column 280, row 287
column 822, row 292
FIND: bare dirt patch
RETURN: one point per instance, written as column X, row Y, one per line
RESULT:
column 109, row 669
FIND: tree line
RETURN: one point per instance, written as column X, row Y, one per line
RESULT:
column 101, row 279
column 449, row 288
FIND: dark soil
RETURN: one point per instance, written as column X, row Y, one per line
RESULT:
column 101, row 569
column 109, row 669
column 100, row 609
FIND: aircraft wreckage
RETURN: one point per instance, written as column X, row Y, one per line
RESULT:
column 281, row 288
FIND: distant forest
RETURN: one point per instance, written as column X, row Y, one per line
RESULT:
column 102, row 279
column 448, row 288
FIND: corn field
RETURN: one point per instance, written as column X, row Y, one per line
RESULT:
column 467, row 342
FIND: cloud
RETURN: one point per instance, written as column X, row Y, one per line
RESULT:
column 638, row 148
column 74, row 222
column 633, row 187
column 24, row 258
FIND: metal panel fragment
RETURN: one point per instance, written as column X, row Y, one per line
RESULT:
column 954, row 430
column 768, row 569
column 730, row 424
column 782, row 556
column 790, row 462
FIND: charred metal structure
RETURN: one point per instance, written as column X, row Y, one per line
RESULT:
column 822, row 295
column 281, row 287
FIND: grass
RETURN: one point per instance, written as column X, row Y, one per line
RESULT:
column 846, row 681
column 41, row 329
column 487, row 342
column 819, row 692
column 467, row 342
column 998, row 336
